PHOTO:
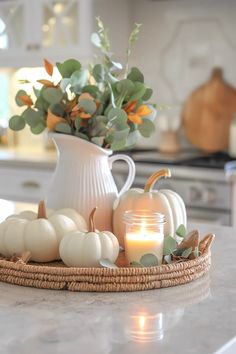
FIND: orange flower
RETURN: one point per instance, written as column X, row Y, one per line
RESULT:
column 135, row 116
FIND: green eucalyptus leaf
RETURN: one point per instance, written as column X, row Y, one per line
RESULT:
column 82, row 136
column 32, row 117
column 196, row 252
column 41, row 103
column 52, row 95
column 136, row 264
column 78, row 123
column 168, row 259
column 64, row 83
column 125, row 87
column 111, row 78
column 88, row 105
column 148, row 94
column 91, row 89
column 16, row 123
column 36, row 92
column 152, row 115
column 146, row 128
column 132, row 139
column 178, row 252
column 39, row 128
column 18, row 100
column 139, row 91
column 117, row 114
column 115, row 65
column 99, row 72
column 149, row 260
column 106, row 263
column 57, row 109
column 170, row 245
column 95, row 39
column 98, row 140
column 79, row 79
column 181, row 231
column 67, row 68
column 118, row 145
column 63, row 128
column 135, row 75
column 186, row 253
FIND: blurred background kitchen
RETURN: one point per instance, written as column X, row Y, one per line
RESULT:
column 187, row 52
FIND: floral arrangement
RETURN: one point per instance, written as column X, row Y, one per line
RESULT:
column 104, row 104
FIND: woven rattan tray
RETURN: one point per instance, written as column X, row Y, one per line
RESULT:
column 57, row 276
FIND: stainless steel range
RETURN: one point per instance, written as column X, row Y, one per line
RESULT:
column 199, row 179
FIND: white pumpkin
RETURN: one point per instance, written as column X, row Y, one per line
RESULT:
column 70, row 213
column 41, row 237
column 85, row 249
column 164, row 201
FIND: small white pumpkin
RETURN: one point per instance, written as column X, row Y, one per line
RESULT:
column 85, row 249
column 41, row 237
column 70, row 213
column 164, row 201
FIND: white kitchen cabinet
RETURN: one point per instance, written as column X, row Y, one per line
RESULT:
column 32, row 30
column 24, row 184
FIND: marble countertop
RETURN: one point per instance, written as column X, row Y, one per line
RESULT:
column 199, row 317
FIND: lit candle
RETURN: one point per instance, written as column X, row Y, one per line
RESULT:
column 144, row 235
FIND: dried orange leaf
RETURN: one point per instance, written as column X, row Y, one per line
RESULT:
column 130, row 106
column 143, row 110
column 135, row 118
column 26, row 100
column 46, row 83
column 84, row 115
column 48, row 67
column 53, row 120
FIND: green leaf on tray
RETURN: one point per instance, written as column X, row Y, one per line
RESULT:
column 136, row 264
column 196, row 252
column 186, row 253
column 149, row 260
column 170, row 245
column 106, row 263
column 181, row 231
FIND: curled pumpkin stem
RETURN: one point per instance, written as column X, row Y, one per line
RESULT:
column 91, row 220
column 164, row 173
column 42, row 210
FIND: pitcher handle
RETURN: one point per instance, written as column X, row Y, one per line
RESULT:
column 131, row 173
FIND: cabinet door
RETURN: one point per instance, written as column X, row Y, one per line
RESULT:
column 12, row 28
column 54, row 29
column 65, row 28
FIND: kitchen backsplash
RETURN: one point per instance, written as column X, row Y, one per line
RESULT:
column 180, row 42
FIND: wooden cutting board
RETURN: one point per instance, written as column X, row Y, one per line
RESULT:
column 208, row 112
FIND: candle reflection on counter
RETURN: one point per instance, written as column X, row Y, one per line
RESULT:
column 147, row 328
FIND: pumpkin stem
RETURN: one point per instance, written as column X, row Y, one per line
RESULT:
column 155, row 177
column 91, row 221
column 42, row 210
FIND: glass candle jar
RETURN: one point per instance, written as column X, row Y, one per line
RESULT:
column 144, row 234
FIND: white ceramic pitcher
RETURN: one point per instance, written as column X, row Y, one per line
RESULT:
column 83, row 179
